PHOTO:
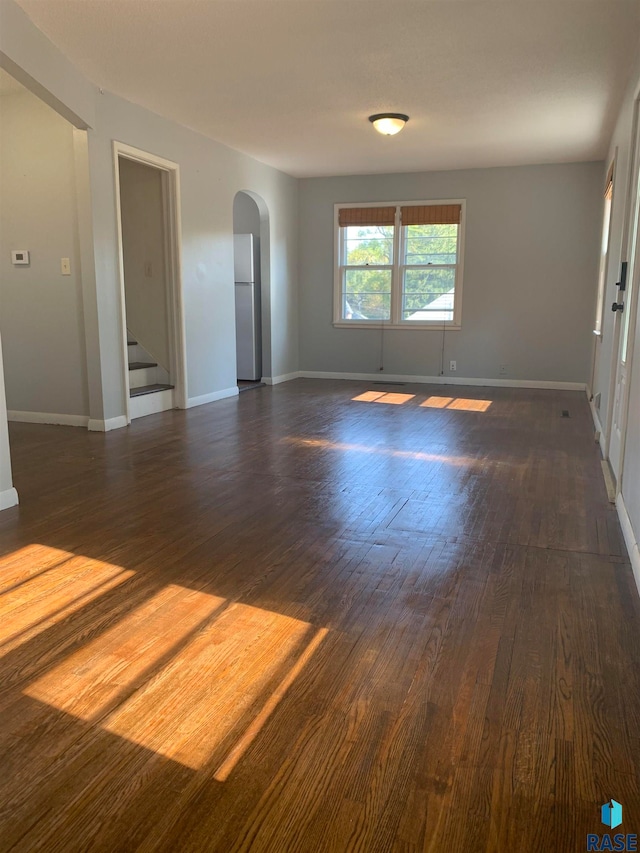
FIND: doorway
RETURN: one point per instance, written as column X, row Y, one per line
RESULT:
column 249, row 290
column 151, row 303
column 625, row 309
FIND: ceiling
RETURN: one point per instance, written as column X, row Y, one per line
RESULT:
column 292, row 82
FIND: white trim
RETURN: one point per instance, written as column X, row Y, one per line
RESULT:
column 203, row 399
column 375, row 324
column 172, row 218
column 442, row 380
column 8, row 498
column 97, row 425
column 285, row 377
column 47, row 418
column 597, row 425
column 629, row 538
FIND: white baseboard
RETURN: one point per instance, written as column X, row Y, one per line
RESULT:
column 285, row 377
column 445, row 380
column 8, row 498
column 97, row 425
column 630, row 538
column 598, row 426
column 47, row 418
column 203, row 399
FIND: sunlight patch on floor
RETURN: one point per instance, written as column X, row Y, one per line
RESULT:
column 459, row 404
column 89, row 682
column 49, row 595
column 212, row 688
column 185, row 674
column 392, row 399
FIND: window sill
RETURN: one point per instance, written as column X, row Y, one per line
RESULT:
column 434, row 327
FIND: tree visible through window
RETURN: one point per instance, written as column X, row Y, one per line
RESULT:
column 400, row 264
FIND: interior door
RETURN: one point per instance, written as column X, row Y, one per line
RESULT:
column 624, row 306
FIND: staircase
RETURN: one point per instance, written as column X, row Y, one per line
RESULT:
column 149, row 388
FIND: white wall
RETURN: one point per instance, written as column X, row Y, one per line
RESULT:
column 143, row 252
column 529, row 265
column 41, row 311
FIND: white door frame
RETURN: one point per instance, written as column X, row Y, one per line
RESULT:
column 632, row 212
column 173, row 247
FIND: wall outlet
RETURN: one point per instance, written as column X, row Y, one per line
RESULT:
column 453, row 366
column 503, row 370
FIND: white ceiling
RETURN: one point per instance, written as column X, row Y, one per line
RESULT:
column 292, row 82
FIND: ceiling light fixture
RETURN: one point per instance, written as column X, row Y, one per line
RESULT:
column 389, row 123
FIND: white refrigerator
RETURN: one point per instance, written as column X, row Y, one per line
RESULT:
column 248, row 317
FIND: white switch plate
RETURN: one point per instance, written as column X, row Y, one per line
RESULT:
column 65, row 266
column 20, row 257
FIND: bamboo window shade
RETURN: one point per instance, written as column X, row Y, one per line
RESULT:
column 366, row 216
column 608, row 189
column 432, row 214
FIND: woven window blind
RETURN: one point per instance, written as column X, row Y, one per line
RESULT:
column 366, row 216
column 432, row 214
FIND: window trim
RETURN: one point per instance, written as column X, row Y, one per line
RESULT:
column 396, row 321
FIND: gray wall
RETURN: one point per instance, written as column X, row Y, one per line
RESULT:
column 211, row 174
column 41, row 311
column 210, row 177
column 530, row 261
column 143, row 253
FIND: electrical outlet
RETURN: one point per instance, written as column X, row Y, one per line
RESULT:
column 453, row 366
column 503, row 369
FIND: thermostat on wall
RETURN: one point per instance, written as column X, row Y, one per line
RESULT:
column 20, row 256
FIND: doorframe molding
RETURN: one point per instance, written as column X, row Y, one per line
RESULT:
column 632, row 205
column 172, row 218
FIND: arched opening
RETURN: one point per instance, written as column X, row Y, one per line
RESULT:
column 252, row 288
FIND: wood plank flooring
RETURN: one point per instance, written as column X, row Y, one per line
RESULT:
column 324, row 616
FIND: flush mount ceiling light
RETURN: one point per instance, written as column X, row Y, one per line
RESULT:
column 389, row 123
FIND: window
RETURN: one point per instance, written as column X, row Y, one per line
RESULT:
column 604, row 250
column 399, row 265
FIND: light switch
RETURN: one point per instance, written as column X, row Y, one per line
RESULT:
column 65, row 266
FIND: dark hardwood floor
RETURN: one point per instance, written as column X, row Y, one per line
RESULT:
column 299, row 621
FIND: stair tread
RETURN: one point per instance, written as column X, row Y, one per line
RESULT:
column 139, row 365
column 149, row 389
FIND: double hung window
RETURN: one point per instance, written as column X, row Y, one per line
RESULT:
column 399, row 265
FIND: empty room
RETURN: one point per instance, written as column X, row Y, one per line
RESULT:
column 319, row 425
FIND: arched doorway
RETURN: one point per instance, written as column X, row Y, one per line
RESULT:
column 252, row 287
